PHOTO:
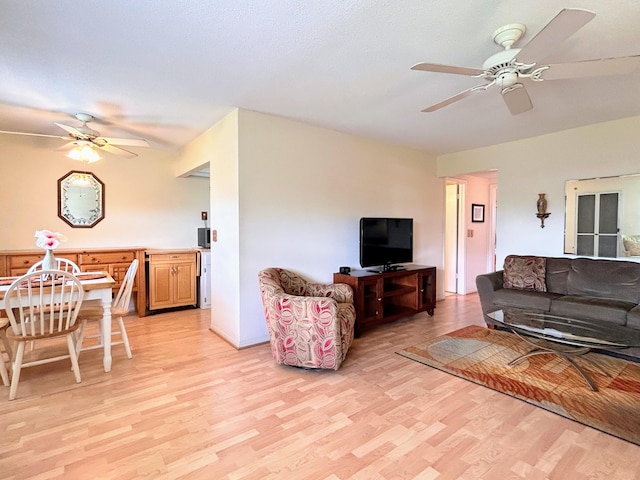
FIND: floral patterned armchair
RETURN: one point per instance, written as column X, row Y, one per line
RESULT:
column 310, row 325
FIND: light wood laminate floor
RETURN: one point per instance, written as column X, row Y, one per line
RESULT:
column 188, row 405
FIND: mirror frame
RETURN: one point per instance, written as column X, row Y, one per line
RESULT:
column 66, row 212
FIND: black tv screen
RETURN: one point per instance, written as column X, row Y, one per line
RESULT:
column 385, row 241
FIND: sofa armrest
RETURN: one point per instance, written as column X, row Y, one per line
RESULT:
column 487, row 284
column 340, row 292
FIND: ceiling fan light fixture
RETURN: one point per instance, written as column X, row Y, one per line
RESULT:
column 84, row 153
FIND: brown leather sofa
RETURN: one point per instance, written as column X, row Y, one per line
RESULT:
column 603, row 290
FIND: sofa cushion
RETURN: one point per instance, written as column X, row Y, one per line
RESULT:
column 633, row 317
column 604, row 279
column 525, row 273
column 526, row 299
column 591, row 308
column 557, row 273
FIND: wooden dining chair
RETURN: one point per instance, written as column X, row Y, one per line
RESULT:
column 64, row 264
column 93, row 311
column 43, row 305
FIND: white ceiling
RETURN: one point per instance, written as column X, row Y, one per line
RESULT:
column 167, row 70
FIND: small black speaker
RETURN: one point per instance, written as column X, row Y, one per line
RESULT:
column 345, row 270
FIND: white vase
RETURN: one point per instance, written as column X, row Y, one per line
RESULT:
column 49, row 262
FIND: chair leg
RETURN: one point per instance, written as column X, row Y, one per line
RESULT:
column 3, row 372
column 6, row 342
column 73, row 356
column 80, row 338
column 125, row 338
column 15, row 374
column 3, row 367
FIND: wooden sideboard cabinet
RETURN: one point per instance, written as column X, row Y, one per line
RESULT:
column 172, row 278
column 116, row 261
column 388, row 296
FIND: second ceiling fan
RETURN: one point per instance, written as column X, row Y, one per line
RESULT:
column 507, row 68
column 85, row 136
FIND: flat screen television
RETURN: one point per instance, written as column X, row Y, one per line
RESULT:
column 385, row 242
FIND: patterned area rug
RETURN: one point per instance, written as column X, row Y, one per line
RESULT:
column 481, row 355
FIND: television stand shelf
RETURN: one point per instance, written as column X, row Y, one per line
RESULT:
column 387, row 296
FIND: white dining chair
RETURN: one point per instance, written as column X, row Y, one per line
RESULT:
column 93, row 311
column 43, row 305
column 4, row 324
column 64, row 264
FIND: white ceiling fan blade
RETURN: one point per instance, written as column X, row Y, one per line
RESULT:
column 436, row 67
column 517, row 99
column 559, row 29
column 72, row 130
column 116, row 150
column 593, row 68
column 130, row 142
column 33, row 134
column 459, row 96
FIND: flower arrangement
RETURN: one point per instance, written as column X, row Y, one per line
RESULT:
column 49, row 240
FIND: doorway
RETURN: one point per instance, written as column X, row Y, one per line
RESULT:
column 469, row 248
column 454, row 251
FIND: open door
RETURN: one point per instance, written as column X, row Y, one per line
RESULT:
column 454, row 251
column 493, row 218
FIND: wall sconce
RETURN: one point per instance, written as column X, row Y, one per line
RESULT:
column 541, row 204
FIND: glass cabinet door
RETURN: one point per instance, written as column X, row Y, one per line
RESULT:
column 597, row 228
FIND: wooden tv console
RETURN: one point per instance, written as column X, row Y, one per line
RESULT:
column 388, row 296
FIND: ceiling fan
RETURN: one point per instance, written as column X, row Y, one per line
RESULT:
column 509, row 67
column 86, row 137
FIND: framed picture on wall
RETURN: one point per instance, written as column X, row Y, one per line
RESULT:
column 477, row 213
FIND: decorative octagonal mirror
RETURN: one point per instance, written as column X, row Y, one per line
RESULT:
column 80, row 199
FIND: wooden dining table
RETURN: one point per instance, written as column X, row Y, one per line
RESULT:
column 97, row 286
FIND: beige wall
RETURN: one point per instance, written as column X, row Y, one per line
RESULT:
column 146, row 205
column 542, row 165
column 219, row 146
column 301, row 191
